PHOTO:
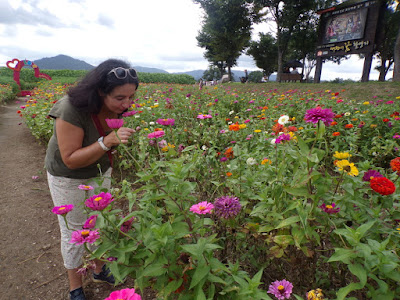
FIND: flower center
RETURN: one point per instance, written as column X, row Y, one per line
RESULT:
column 98, row 199
column 61, row 208
column 347, row 168
column 85, row 233
column 281, row 288
column 329, row 206
column 202, row 207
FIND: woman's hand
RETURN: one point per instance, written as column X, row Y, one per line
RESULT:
column 123, row 133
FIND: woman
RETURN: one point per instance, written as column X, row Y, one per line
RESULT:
column 80, row 150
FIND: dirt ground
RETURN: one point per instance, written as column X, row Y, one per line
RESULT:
column 30, row 260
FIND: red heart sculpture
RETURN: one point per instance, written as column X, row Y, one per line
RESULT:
column 15, row 61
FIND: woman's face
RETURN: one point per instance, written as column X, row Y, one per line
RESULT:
column 119, row 99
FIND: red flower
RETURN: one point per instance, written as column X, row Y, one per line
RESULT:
column 382, row 185
column 337, row 133
column 348, row 126
column 385, row 120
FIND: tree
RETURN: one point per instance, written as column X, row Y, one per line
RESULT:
column 212, row 73
column 385, row 48
column 286, row 14
column 265, row 53
column 396, row 70
column 226, row 30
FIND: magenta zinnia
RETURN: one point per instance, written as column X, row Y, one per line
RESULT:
column 90, row 222
column 330, row 208
column 281, row 289
column 115, row 123
column 166, row 122
column 85, row 187
column 316, row 114
column 227, row 207
column 124, row 294
column 100, row 201
column 80, row 237
column 63, row 209
column 156, row 134
column 371, row 174
column 202, row 208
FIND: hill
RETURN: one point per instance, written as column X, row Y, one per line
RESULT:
column 62, row 62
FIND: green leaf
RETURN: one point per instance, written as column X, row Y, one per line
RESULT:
column 288, row 221
column 300, row 191
column 154, row 270
column 200, row 272
column 360, row 272
column 342, row 255
column 172, row 286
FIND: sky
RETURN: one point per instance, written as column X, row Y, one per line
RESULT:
column 148, row 33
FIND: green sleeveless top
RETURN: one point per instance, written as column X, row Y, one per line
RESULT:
column 54, row 164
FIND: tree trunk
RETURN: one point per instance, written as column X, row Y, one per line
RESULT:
column 229, row 73
column 280, row 65
column 382, row 68
column 396, row 70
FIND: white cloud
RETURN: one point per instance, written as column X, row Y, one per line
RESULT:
column 152, row 33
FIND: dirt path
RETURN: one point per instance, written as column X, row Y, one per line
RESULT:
column 30, row 261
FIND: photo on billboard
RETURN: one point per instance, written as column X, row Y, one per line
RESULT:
column 346, row 26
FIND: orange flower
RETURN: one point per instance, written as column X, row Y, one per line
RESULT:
column 348, row 126
column 234, row 127
column 337, row 133
column 333, row 123
column 229, row 174
column 395, row 164
column 229, row 152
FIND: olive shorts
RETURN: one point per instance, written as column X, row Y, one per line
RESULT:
column 65, row 191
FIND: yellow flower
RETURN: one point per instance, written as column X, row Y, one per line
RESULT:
column 365, row 111
column 257, row 130
column 373, row 125
column 242, row 126
column 346, row 166
column 366, row 103
column 315, row 295
column 341, row 155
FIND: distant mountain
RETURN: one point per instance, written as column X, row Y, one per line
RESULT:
column 62, row 62
column 149, row 70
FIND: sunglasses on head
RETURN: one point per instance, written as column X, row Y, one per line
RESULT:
column 121, row 72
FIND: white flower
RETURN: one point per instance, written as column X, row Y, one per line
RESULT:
column 231, row 112
column 151, row 123
column 148, row 108
column 283, row 119
column 251, row 161
column 347, row 114
column 204, row 147
column 273, row 141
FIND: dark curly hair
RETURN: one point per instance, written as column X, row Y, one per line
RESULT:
column 85, row 95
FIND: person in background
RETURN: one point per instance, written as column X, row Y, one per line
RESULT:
column 294, row 71
column 80, row 150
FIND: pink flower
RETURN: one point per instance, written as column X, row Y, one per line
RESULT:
column 156, row 134
column 100, row 201
column 330, row 208
column 35, row 178
column 201, row 116
column 85, row 187
column 80, row 237
column 90, row 223
column 166, row 122
column 115, row 123
column 63, row 209
column 130, row 113
column 124, row 294
column 202, row 208
column 281, row 289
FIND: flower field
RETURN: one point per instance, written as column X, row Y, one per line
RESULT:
column 248, row 192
